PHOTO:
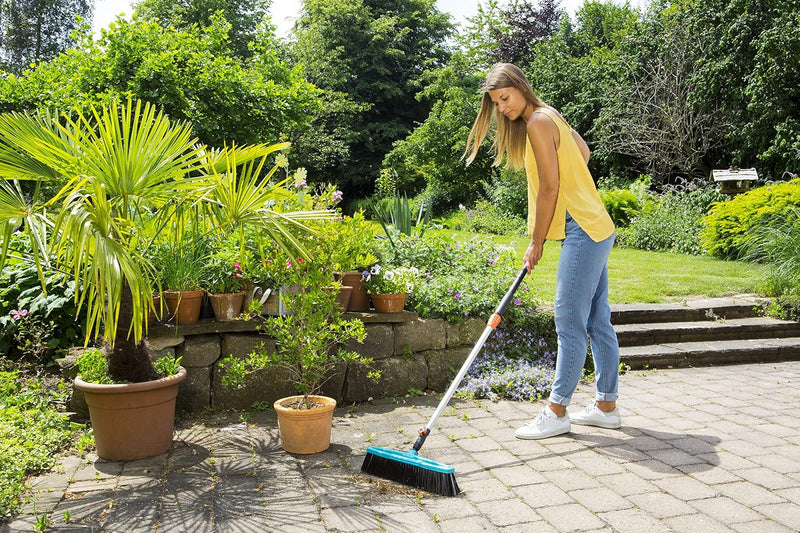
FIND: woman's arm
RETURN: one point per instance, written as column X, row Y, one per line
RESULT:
column 582, row 146
column 544, row 138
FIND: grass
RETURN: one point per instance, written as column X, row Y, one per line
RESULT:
column 637, row 276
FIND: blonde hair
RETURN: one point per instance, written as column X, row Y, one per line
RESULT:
column 511, row 138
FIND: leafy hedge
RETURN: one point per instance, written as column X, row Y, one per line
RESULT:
column 728, row 224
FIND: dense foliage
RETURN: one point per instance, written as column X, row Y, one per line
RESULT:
column 35, row 325
column 776, row 242
column 193, row 76
column 464, row 278
column 671, row 221
column 245, row 17
column 374, row 52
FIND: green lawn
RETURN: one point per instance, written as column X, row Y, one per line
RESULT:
column 637, row 276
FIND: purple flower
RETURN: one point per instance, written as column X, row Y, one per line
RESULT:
column 517, row 302
column 338, row 196
column 16, row 315
column 457, row 296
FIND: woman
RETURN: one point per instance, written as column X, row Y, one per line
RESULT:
column 563, row 204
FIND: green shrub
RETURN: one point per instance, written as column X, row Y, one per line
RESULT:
column 621, row 204
column 666, row 224
column 728, row 224
column 487, row 217
column 33, row 324
column 671, row 221
column 509, row 192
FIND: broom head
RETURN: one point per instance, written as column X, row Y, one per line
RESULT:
column 410, row 469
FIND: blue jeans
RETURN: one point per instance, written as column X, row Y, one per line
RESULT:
column 582, row 312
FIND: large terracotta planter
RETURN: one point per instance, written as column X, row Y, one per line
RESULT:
column 132, row 421
column 359, row 298
column 184, row 306
column 305, row 431
column 389, row 303
column 227, row 306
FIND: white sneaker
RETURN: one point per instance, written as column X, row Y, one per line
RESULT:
column 593, row 416
column 546, row 424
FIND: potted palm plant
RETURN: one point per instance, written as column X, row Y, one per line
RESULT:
column 122, row 176
column 310, row 342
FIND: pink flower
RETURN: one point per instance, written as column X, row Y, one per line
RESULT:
column 16, row 315
column 338, row 196
column 237, row 266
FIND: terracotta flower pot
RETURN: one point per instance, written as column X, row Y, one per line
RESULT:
column 155, row 316
column 359, row 299
column 389, row 303
column 132, row 421
column 344, row 296
column 227, row 306
column 184, row 306
column 305, row 431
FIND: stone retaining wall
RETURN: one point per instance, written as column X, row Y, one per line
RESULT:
column 410, row 352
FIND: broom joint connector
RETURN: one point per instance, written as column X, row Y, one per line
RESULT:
column 423, row 434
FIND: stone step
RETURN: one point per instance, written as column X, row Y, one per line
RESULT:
column 688, row 354
column 718, row 330
column 745, row 306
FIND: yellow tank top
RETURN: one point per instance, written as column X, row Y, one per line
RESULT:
column 576, row 190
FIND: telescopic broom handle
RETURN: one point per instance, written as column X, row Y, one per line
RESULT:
column 491, row 324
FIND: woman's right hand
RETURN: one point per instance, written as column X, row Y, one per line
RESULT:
column 532, row 255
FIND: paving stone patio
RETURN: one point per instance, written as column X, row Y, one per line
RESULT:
column 700, row 450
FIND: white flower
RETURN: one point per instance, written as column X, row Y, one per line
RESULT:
column 389, row 275
column 375, row 270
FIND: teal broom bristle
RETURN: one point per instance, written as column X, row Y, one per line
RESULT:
column 410, row 469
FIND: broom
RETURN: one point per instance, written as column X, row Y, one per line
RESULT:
column 408, row 467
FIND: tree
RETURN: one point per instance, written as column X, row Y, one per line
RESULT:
column 578, row 69
column 773, row 91
column 245, row 17
column 527, row 26
column 36, row 30
column 654, row 115
column 430, row 157
column 191, row 74
column 749, row 61
column 374, row 52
